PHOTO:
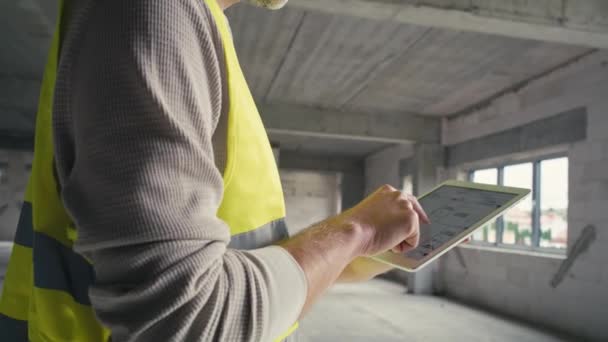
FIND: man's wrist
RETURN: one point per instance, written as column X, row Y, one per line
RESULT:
column 356, row 235
column 350, row 237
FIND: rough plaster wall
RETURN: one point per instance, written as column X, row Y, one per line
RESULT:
column 383, row 167
column 519, row 285
column 310, row 197
column 12, row 193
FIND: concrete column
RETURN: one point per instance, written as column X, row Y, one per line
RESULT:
column 352, row 187
column 427, row 160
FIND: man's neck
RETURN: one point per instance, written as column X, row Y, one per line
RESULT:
column 224, row 4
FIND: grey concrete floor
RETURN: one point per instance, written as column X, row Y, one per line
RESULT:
column 381, row 311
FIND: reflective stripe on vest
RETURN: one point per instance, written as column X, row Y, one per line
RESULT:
column 13, row 329
column 45, row 294
column 45, row 290
column 261, row 237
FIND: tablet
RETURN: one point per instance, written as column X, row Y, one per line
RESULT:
column 456, row 209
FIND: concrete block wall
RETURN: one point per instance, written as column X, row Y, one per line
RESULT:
column 519, row 284
column 383, row 167
column 310, row 197
column 13, row 191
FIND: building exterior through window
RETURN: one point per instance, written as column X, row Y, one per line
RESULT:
column 541, row 220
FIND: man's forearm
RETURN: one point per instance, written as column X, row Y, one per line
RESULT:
column 323, row 252
column 385, row 220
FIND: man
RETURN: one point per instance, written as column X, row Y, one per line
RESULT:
column 154, row 208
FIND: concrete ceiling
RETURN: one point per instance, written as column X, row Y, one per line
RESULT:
column 351, row 63
column 323, row 59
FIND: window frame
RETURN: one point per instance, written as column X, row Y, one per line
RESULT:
column 536, row 204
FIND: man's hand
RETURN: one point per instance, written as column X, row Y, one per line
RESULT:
column 390, row 219
column 363, row 268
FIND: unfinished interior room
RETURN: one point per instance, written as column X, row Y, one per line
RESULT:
column 304, row 170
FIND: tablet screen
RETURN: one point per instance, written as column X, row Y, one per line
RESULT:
column 453, row 210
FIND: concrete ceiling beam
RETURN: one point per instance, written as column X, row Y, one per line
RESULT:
column 304, row 161
column 313, row 122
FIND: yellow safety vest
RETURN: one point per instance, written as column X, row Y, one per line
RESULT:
column 45, row 295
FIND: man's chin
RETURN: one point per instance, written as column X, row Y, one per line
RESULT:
column 269, row 4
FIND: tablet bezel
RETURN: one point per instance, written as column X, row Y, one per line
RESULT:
column 411, row 265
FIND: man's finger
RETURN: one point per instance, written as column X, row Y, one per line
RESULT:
column 403, row 247
column 414, row 237
column 386, row 188
column 413, row 240
column 418, row 208
column 400, row 248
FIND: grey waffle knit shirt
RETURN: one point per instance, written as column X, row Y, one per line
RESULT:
column 139, row 129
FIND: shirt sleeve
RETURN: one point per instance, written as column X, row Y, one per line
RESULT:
column 143, row 188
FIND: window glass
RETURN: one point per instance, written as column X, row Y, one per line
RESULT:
column 554, row 203
column 487, row 176
column 518, row 220
column 488, row 232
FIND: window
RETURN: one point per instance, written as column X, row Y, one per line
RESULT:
column 540, row 220
column 518, row 220
column 488, row 232
column 554, row 203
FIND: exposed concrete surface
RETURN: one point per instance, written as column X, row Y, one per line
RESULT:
column 326, row 61
column 581, row 245
column 351, row 169
column 576, row 85
column 566, row 128
column 567, row 21
column 310, row 197
column 5, row 253
column 383, row 167
column 519, row 285
column 12, row 191
column 381, row 311
column 328, row 148
column 312, row 122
